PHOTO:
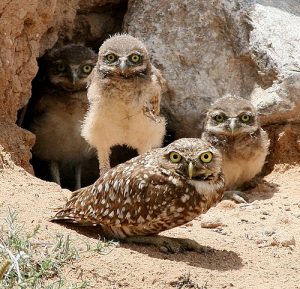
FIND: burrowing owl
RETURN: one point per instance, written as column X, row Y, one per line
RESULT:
column 58, row 113
column 233, row 127
column 153, row 192
column 124, row 95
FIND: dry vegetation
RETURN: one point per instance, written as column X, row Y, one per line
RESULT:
column 251, row 246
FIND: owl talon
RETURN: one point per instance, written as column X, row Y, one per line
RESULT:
column 236, row 196
column 168, row 245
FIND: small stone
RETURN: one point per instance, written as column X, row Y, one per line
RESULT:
column 284, row 219
column 211, row 222
column 283, row 239
column 227, row 205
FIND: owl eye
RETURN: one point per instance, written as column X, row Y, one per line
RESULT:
column 206, row 157
column 60, row 67
column 111, row 57
column 135, row 58
column 175, row 157
column 219, row 118
column 87, row 68
column 245, row 118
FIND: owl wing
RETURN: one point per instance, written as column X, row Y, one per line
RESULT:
column 122, row 196
column 152, row 108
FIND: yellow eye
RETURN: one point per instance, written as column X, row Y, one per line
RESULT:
column 111, row 57
column 60, row 67
column 245, row 118
column 87, row 68
column 206, row 157
column 135, row 58
column 219, row 118
column 175, row 157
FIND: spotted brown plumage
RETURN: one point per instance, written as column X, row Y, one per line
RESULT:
column 156, row 191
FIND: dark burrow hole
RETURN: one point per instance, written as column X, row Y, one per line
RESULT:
column 92, row 26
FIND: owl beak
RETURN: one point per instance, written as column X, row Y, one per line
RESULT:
column 232, row 124
column 190, row 170
column 74, row 77
column 198, row 174
column 123, row 65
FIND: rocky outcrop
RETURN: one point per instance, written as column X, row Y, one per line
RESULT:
column 208, row 50
column 199, row 48
column 27, row 29
column 205, row 50
column 274, row 46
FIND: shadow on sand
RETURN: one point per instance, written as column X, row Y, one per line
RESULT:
column 213, row 259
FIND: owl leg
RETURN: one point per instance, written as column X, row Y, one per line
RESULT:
column 54, row 170
column 103, row 157
column 78, row 176
column 167, row 244
column 236, row 196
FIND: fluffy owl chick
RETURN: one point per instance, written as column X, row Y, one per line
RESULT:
column 153, row 192
column 233, row 127
column 58, row 113
column 124, row 96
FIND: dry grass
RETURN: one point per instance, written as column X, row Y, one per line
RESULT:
column 26, row 262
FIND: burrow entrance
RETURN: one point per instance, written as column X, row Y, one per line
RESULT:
column 91, row 27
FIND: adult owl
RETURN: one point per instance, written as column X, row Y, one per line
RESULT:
column 56, row 116
column 153, row 192
column 124, row 100
column 232, row 126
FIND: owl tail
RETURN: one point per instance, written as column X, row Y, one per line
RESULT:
column 70, row 213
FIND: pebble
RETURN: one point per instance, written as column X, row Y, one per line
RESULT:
column 283, row 239
column 211, row 222
column 278, row 238
column 227, row 204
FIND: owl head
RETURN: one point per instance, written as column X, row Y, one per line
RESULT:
column 193, row 159
column 69, row 66
column 123, row 56
column 231, row 116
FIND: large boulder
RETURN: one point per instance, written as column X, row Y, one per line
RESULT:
column 206, row 50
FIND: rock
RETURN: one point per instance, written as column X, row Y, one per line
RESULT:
column 227, row 205
column 273, row 237
column 208, row 50
column 24, row 34
column 275, row 50
column 284, row 145
column 5, row 160
column 209, row 221
column 27, row 29
column 283, row 239
column 197, row 46
column 204, row 49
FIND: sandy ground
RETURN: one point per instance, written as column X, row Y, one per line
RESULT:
column 253, row 246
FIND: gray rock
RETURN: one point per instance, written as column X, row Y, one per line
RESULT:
column 206, row 50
